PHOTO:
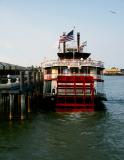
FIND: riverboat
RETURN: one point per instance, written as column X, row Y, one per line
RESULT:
column 74, row 81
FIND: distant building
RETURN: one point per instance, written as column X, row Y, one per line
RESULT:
column 112, row 71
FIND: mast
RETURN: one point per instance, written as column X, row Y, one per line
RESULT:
column 78, row 41
column 64, row 44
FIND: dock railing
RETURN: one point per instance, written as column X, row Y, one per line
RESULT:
column 23, row 81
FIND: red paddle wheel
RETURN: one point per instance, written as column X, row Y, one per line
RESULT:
column 75, row 93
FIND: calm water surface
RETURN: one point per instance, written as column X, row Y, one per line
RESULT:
column 69, row 136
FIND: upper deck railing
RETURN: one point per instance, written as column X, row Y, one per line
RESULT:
column 72, row 63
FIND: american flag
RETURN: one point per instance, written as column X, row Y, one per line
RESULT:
column 68, row 37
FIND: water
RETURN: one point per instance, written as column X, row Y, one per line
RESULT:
column 69, row 136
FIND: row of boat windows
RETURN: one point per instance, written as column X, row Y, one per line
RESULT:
column 84, row 70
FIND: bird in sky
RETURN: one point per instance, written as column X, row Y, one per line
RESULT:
column 113, row 12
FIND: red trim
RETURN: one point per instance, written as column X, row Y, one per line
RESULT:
column 74, row 105
column 74, row 110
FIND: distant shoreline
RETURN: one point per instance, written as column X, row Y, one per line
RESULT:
column 113, row 74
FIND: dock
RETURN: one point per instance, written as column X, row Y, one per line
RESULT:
column 20, row 90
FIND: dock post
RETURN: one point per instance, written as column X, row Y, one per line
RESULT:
column 9, row 80
column 11, row 105
column 3, row 102
column 22, row 106
column 38, row 76
column 34, row 78
column 37, row 81
column 28, row 79
column 28, row 103
column 21, row 80
column 17, row 80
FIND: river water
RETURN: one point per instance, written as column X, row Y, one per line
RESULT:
column 69, row 136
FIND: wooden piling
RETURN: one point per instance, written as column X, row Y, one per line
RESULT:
column 11, row 96
column 22, row 106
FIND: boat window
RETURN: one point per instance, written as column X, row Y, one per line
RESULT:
column 48, row 87
column 54, row 71
column 98, row 71
column 85, row 70
column 74, row 70
column 62, row 70
column 48, row 71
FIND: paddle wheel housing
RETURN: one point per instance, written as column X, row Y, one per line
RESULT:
column 75, row 92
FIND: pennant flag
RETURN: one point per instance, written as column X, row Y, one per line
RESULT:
column 62, row 39
column 83, row 45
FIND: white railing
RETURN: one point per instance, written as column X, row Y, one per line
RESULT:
column 9, row 84
column 73, row 63
column 54, row 76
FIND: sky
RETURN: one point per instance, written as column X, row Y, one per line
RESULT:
column 30, row 29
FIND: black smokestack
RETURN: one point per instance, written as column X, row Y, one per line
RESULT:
column 78, row 41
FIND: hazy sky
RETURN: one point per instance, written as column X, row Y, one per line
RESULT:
column 30, row 29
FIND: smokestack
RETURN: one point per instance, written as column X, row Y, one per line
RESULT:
column 78, row 41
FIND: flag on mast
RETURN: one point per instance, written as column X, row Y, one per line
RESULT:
column 62, row 38
column 70, row 36
column 66, row 38
column 83, row 44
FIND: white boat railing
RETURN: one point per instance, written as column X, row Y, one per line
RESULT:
column 54, row 76
column 72, row 63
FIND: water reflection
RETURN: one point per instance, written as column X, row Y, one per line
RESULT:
column 62, row 136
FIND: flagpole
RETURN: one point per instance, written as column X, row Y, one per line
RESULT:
column 64, row 44
column 78, row 41
column 73, row 41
